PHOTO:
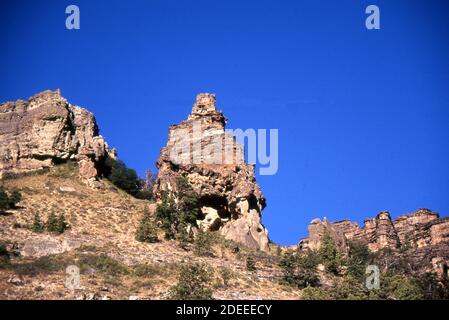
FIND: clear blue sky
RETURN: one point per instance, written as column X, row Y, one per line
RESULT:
column 363, row 116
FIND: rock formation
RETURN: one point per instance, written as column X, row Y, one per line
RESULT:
column 47, row 130
column 423, row 232
column 200, row 149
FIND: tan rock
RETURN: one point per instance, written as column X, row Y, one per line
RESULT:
column 47, row 130
column 230, row 198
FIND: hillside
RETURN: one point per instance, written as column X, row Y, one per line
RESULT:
column 101, row 240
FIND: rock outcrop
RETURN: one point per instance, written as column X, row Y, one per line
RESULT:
column 200, row 149
column 47, row 130
column 423, row 233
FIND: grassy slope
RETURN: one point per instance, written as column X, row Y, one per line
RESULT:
column 103, row 223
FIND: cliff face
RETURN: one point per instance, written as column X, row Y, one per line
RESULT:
column 47, row 130
column 200, row 149
column 423, row 233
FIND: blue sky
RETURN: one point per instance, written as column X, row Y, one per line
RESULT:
column 362, row 115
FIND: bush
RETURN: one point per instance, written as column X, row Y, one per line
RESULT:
column 14, row 198
column 203, row 243
column 250, row 263
column 289, row 265
column 359, row 258
column 226, row 275
column 9, row 201
column 166, row 215
column 402, row 288
column 147, row 230
column 62, row 225
column 299, row 270
column 328, row 254
column 52, row 223
column 193, row 283
column 311, row 293
column 4, row 201
column 4, row 255
column 55, row 224
column 123, row 177
column 37, row 226
column 187, row 201
column 176, row 217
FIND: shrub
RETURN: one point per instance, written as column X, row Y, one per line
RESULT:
column 37, row 226
column 14, row 198
column 4, row 255
column 359, row 258
column 123, row 177
column 226, row 275
column 203, row 243
column 166, row 215
column 311, row 293
column 250, row 263
column 289, row 265
column 328, row 254
column 62, row 224
column 9, row 201
column 193, row 283
column 403, row 288
column 299, row 270
column 52, row 223
column 147, row 230
column 187, row 201
column 176, row 217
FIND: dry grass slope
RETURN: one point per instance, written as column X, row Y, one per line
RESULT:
column 101, row 241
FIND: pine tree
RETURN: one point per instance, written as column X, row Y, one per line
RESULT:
column 61, row 224
column 14, row 198
column 38, row 226
column 4, row 201
column 250, row 264
column 183, row 235
column 193, row 283
column 52, row 223
column 329, row 254
column 166, row 215
column 147, row 230
column 187, row 201
column 203, row 243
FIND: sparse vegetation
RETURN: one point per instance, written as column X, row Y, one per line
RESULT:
column 56, row 224
column 147, row 230
column 175, row 217
column 38, row 226
column 250, row 263
column 299, row 270
column 166, row 215
column 9, row 200
column 226, row 275
column 193, row 283
column 329, row 255
column 126, row 179
column 203, row 242
column 4, row 255
column 103, row 264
